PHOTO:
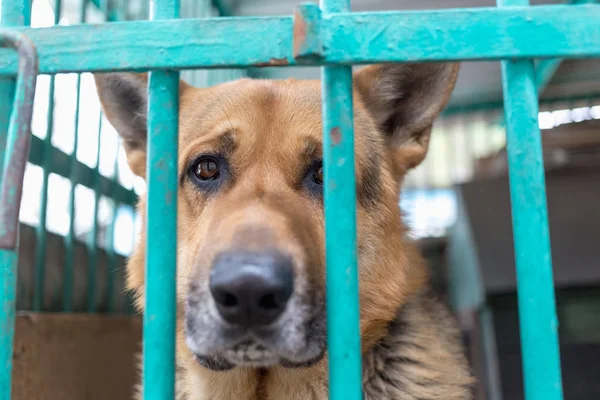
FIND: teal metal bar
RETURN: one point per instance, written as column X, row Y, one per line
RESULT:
column 537, row 309
column 469, row 108
column 161, row 229
column 343, row 330
column 11, row 186
column 111, row 259
column 14, row 13
column 68, row 275
column 8, row 282
column 92, row 240
column 560, row 31
column 40, row 232
column 546, row 69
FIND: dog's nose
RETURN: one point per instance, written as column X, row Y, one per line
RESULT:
column 251, row 288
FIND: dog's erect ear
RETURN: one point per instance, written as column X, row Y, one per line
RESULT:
column 404, row 99
column 124, row 99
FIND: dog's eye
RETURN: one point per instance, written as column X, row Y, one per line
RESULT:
column 318, row 175
column 313, row 179
column 206, row 168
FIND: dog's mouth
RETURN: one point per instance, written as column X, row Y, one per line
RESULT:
column 250, row 354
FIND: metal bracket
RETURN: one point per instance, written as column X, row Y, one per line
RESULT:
column 19, row 137
column 307, row 32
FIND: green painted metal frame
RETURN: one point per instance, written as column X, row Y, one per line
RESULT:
column 336, row 39
column 348, row 38
column 537, row 307
column 41, row 243
column 343, row 331
column 17, row 141
column 161, row 229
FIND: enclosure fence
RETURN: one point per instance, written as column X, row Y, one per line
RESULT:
column 335, row 38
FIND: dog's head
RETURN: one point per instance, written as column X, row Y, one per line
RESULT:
column 251, row 264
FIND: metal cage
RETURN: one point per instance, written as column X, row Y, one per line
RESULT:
column 335, row 38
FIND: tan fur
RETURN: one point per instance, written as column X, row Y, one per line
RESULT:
column 270, row 123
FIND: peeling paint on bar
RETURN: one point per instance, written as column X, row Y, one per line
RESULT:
column 307, row 32
column 359, row 38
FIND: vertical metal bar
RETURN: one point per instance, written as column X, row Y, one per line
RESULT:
column 343, row 331
column 145, row 10
column 161, row 252
column 492, row 364
column 537, row 309
column 111, row 259
column 41, row 237
column 92, row 241
column 70, row 238
column 14, row 13
column 11, row 189
column 8, row 281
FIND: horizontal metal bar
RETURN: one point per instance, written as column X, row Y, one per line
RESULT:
column 60, row 164
column 561, row 31
column 592, row 98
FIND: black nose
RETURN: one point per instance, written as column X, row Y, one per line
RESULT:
column 251, row 289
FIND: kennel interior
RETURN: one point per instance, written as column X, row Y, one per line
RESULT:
column 78, row 222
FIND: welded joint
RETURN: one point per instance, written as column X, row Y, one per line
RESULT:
column 19, row 136
column 307, row 43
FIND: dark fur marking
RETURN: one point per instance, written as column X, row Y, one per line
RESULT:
column 213, row 363
column 226, row 144
column 387, row 376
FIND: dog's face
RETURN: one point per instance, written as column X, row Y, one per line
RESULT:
column 251, row 260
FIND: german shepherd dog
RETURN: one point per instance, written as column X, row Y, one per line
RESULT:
column 251, row 321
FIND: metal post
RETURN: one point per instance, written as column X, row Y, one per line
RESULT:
column 537, row 310
column 161, row 229
column 343, row 331
column 41, row 232
column 18, row 141
column 70, row 238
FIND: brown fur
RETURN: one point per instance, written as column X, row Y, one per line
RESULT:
column 268, row 129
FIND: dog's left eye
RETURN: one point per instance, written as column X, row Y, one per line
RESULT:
column 208, row 172
column 206, row 168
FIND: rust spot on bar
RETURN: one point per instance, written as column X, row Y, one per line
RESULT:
column 273, row 62
column 336, row 136
column 299, row 35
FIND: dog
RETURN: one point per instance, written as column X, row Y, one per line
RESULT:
column 251, row 320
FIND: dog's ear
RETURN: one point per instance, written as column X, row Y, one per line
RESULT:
column 404, row 100
column 124, row 99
